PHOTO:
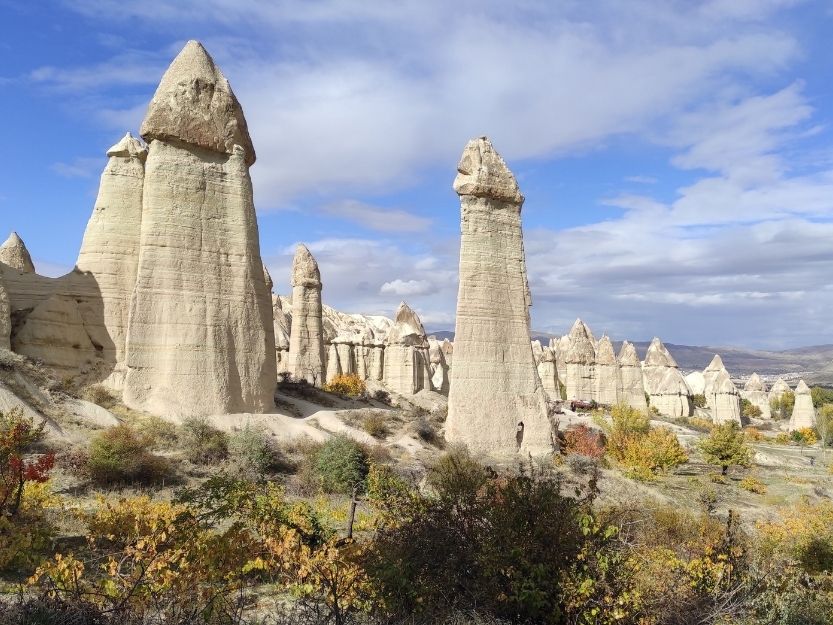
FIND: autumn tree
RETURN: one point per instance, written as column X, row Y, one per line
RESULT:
column 726, row 446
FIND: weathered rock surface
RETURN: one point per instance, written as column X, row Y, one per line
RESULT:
column 710, row 373
column 194, row 104
column 696, row 383
column 580, row 363
column 496, row 401
column 54, row 332
column 306, row 339
column 631, row 384
column 439, row 366
column 724, row 399
column 778, row 389
column 105, row 271
column 13, row 253
column 755, row 392
column 607, row 373
column 282, row 322
column 804, row 414
column 406, row 354
column 201, row 337
column 549, row 374
column 665, row 385
column 5, row 318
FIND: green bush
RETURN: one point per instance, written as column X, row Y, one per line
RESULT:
column 699, row 400
column 341, row 465
column 347, row 384
column 253, row 453
column 202, row 442
column 748, row 409
column 376, row 424
column 726, row 446
column 98, row 395
column 782, row 407
column 162, row 433
column 122, row 455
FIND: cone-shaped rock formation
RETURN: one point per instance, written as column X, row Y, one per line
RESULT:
column 755, row 392
column 406, row 363
column 306, row 339
column 607, row 373
column 632, row 386
column 664, row 383
column 579, row 363
column 13, row 252
column 496, row 401
column 804, row 414
column 201, row 337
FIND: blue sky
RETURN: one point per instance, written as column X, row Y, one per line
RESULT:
column 676, row 157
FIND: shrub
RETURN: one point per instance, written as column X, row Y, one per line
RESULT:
column 753, row 434
column 341, row 465
column 376, row 424
column 626, row 423
column 253, row 453
column 99, row 395
column 162, row 433
column 426, row 431
column 726, row 446
column 782, row 407
column 824, row 425
column 382, row 396
column 347, row 384
column 122, row 455
column 699, row 400
column 658, row 451
column 782, row 438
column 748, row 409
column 806, row 436
column 202, row 442
column 821, row 396
column 584, row 441
column 753, row 485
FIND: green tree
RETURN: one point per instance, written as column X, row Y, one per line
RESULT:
column 821, row 396
column 726, row 446
column 748, row 409
column 782, row 407
column 699, row 400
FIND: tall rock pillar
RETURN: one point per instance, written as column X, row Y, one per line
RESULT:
column 105, row 272
column 407, row 360
column 200, row 339
column 496, row 401
column 306, row 338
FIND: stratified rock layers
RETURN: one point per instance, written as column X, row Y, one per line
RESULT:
column 406, row 362
column 105, row 272
column 607, row 373
column 496, row 401
column 631, row 384
column 201, row 339
column 579, row 363
column 306, row 339
column 5, row 318
column 804, row 414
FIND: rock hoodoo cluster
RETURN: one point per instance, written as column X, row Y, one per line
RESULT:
column 496, row 401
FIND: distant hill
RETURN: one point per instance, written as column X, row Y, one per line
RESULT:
column 815, row 362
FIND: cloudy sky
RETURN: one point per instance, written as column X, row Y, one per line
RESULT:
column 676, row 156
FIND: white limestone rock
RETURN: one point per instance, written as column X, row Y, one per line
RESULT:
column 201, row 338
column 548, row 374
column 54, row 332
column 696, row 382
column 194, row 104
column 496, row 401
column 306, row 339
column 439, row 367
column 281, row 325
column 13, row 253
column 580, row 363
column 607, row 373
column 406, row 354
column 755, row 392
column 665, row 385
column 105, row 272
column 804, row 413
column 5, row 318
column 710, row 373
column 631, row 384
column 778, row 389
column 724, row 399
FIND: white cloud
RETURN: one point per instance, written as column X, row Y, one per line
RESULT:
column 407, row 287
column 377, row 217
column 81, row 167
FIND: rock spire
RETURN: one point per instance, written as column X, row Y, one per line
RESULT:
column 306, row 339
column 496, row 400
column 632, row 386
column 201, row 337
column 755, row 392
column 804, row 414
column 664, row 383
column 407, row 360
column 13, row 252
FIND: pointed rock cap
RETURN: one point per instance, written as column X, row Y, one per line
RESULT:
column 129, row 146
column 779, row 388
column 482, row 172
column 723, row 384
column 304, row 268
column 658, row 355
column 754, row 383
column 802, row 388
column 407, row 328
column 548, row 355
column 581, row 348
column 628, row 356
column 194, row 104
column 672, row 383
column 448, row 347
column 270, row 285
column 14, row 253
column 604, row 352
column 716, row 364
